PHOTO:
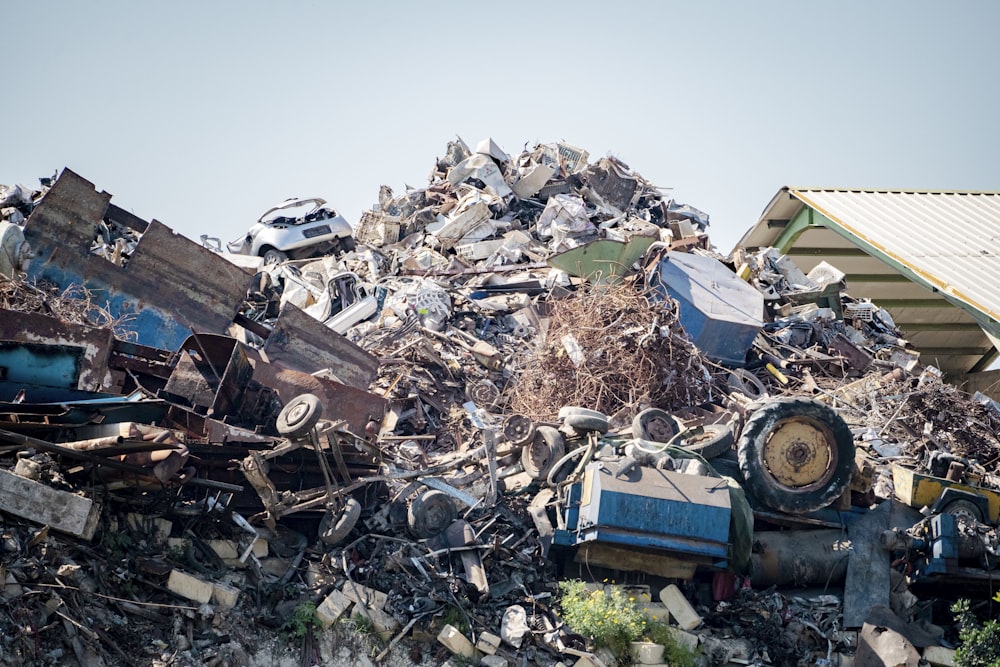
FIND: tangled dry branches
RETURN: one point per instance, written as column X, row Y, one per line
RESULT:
column 607, row 348
column 75, row 305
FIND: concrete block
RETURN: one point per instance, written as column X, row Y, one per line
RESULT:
column 456, row 642
column 385, row 624
column 42, row 504
column 365, row 595
column 335, row 605
column 680, row 609
column 656, row 611
column 488, row 643
column 189, row 586
column 224, row 595
column 939, row 656
column 231, row 550
column 684, row 639
column 493, row 661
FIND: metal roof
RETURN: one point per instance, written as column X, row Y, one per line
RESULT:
column 931, row 258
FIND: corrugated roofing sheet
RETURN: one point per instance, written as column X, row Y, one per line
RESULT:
column 950, row 239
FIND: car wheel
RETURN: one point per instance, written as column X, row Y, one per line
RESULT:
column 546, row 447
column 347, row 244
column 430, row 513
column 273, row 256
column 299, row 416
column 654, row 424
column 965, row 511
column 714, row 440
column 796, row 455
column 336, row 526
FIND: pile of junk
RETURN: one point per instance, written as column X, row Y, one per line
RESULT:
column 535, row 369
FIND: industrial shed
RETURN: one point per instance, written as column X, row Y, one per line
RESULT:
column 931, row 258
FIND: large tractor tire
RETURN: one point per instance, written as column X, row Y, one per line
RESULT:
column 796, row 455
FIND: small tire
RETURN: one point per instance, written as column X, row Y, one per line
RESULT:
column 963, row 510
column 587, row 423
column 431, row 513
column 796, row 455
column 747, row 383
column 654, row 424
column 273, row 256
column 299, row 416
column 546, row 447
column 333, row 532
column 714, row 440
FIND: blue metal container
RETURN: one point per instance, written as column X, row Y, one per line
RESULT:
column 687, row 515
column 721, row 313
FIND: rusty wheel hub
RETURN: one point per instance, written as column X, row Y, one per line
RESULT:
column 800, row 453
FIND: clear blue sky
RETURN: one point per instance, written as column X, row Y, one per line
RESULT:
column 204, row 114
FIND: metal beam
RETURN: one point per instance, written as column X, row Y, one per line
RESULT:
column 827, row 252
column 957, row 327
column 954, row 351
column 877, row 278
column 913, row 303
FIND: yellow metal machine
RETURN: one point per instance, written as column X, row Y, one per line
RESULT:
column 919, row 490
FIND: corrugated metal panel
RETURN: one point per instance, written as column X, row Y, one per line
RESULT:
column 950, row 239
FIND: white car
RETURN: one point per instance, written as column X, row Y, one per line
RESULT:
column 296, row 229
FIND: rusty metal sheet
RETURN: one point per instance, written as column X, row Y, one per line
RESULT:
column 301, row 342
column 90, row 347
column 354, row 406
column 169, row 286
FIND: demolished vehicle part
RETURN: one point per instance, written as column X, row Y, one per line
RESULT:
column 335, row 526
column 708, row 440
column 431, row 513
column 181, row 285
column 643, row 507
column 654, row 424
column 720, row 312
column 541, row 453
column 296, row 229
column 799, row 557
column 297, row 419
column 796, row 455
column 604, row 260
column 920, row 490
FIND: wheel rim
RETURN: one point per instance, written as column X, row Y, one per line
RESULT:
column 297, row 414
column 540, row 453
column 800, row 453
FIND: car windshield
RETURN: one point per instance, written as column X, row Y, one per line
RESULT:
column 296, row 210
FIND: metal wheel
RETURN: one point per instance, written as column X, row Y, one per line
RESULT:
column 965, row 511
column 430, row 513
column 299, row 416
column 274, row 256
column 654, row 424
column 797, row 455
column 546, row 447
column 518, row 429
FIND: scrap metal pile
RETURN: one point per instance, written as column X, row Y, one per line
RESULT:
column 533, row 368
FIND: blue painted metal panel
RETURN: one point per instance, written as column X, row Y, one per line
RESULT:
column 45, row 365
column 649, row 508
column 721, row 313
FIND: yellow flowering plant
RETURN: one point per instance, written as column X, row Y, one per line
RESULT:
column 607, row 618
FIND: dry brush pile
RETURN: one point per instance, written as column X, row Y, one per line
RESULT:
column 610, row 347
